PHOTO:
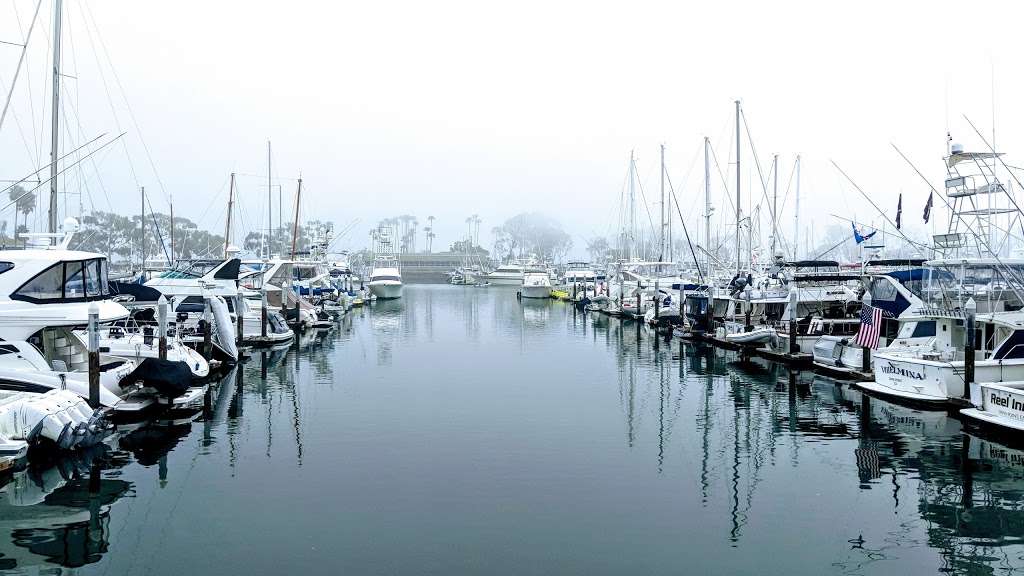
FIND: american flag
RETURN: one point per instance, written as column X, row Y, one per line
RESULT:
column 870, row 326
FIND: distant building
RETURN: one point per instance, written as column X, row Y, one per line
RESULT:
column 423, row 268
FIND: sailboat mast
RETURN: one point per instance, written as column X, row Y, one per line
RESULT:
column 172, row 232
column 775, row 203
column 142, row 259
column 707, row 206
column 632, row 208
column 55, row 116
column 295, row 224
column 796, row 215
column 270, row 203
column 231, row 208
column 661, row 239
column 738, row 212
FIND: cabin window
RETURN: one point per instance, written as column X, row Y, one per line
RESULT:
column 92, row 278
column 395, row 278
column 5, row 266
column 882, row 290
column 74, row 286
column 66, row 282
column 924, row 329
column 45, row 286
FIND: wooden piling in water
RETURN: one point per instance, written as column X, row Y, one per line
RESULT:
column 94, row 355
column 161, row 309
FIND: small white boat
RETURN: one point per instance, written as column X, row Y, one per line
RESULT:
column 756, row 336
column 536, row 285
column 1000, row 404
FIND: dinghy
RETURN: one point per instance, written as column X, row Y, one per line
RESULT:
column 755, row 336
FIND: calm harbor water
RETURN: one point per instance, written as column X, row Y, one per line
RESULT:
column 459, row 431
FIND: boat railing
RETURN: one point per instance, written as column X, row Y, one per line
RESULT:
column 938, row 312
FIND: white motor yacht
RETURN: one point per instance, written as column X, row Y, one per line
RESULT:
column 385, row 280
column 929, row 368
column 507, row 275
column 46, row 293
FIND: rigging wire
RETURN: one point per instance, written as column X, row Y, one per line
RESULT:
column 128, row 106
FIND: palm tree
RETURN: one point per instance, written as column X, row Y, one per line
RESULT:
column 430, row 233
column 476, row 229
column 25, row 203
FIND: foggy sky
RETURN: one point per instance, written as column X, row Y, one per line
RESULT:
column 455, row 108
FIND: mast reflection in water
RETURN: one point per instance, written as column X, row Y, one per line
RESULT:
column 459, row 430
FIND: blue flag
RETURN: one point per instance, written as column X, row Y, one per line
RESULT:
column 857, row 236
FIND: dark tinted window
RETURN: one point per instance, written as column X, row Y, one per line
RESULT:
column 45, row 286
column 924, row 329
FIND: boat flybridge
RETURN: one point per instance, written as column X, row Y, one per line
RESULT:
column 385, row 279
column 579, row 274
column 46, row 294
column 507, row 275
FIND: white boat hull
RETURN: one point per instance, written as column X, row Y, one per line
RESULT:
column 1000, row 405
column 388, row 291
column 504, row 280
column 536, row 291
column 934, row 381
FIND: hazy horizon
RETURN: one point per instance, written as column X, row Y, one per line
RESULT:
column 457, row 108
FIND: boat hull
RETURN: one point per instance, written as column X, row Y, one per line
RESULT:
column 536, row 291
column 1000, row 405
column 505, row 280
column 933, row 381
column 389, row 291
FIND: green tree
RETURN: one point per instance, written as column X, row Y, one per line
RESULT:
column 25, row 203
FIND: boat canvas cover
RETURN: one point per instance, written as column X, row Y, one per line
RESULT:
column 920, row 274
column 138, row 292
column 170, row 378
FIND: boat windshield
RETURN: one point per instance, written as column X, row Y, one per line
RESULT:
column 190, row 269
column 305, row 272
column 385, row 277
column 74, row 281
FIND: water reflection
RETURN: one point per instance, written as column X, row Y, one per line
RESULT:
column 57, row 511
column 459, row 419
column 948, row 489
